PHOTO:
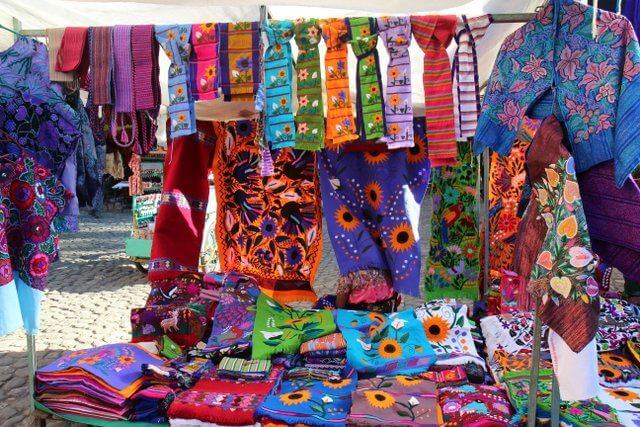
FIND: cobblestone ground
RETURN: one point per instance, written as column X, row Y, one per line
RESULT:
column 93, row 288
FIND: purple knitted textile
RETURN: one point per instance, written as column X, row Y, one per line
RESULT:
column 144, row 53
column 123, row 68
column 101, row 65
column 612, row 218
column 395, row 32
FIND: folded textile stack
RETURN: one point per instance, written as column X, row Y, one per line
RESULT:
column 385, row 344
column 511, row 333
column 178, row 308
column 279, row 329
column 99, row 382
column 220, row 401
column 575, row 413
column 241, row 369
column 397, row 400
column 152, row 403
column 234, row 316
column 448, row 330
column 503, row 363
column 474, row 405
column 309, row 402
column 303, row 373
column 619, row 322
column 328, row 352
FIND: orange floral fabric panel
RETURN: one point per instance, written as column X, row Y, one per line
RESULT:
column 268, row 227
column 340, row 123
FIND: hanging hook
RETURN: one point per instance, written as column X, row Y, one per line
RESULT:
column 12, row 31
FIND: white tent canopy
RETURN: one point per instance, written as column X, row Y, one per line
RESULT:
column 41, row 14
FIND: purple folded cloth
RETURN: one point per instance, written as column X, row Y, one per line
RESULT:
column 612, row 218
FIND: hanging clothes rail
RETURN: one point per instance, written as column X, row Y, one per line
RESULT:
column 507, row 18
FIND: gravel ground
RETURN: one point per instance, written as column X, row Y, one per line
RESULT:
column 93, row 288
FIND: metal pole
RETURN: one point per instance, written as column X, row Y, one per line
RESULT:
column 32, row 361
column 555, row 402
column 535, row 365
column 486, row 158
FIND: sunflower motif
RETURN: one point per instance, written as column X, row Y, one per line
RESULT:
column 337, row 384
column 282, row 73
column 615, row 360
column 402, row 238
column 210, row 72
column 417, row 153
column 408, row 381
column 377, row 118
column 393, row 73
column 379, row 399
column 377, row 317
column 364, row 32
column 436, row 328
column 373, row 193
column 623, row 394
column 609, row 373
column 295, row 397
column 389, row 349
column 375, row 157
column 393, row 129
column 345, row 219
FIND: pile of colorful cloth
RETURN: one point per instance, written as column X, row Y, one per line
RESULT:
column 253, row 359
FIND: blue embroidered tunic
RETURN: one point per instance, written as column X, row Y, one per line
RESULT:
column 597, row 85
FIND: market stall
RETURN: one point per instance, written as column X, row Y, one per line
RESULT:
column 347, row 118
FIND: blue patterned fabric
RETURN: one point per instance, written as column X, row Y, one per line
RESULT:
column 597, row 81
column 174, row 40
column 385, row 344
column 278, row 69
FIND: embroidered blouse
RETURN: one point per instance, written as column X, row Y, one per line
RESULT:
column 597, row 85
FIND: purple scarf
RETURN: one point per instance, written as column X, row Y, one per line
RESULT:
column 122, row 68
column 371, row 201
column 144, row 53
column 395, row 32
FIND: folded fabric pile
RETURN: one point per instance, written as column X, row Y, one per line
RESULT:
column 385, row 344
column 152, row 403
column 234, row 316
column 396, row 400
column 241, row 369
column 304, row 372
column 625, row 401
column 176, row 308
column 280, row 329
column 448, row 330
column 220, row 401
column 503, row 363
column 448, row 377
column 619, row 322
column 328, row 352
column 100, row 382
column 309, row 402
column 575, row 413
column 511, row 333
column 474, row 405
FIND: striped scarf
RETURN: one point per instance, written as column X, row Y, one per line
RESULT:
column 434, row 34
column 466, row 85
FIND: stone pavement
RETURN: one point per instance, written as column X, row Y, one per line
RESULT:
column 92, row 289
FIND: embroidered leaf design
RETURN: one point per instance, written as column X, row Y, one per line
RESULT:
column 386, row 384
column 404, row 338
column 402, row 413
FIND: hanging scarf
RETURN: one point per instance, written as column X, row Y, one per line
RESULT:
column 466, row 85
column 54, row 40
column 310, row 115
column 395, row 32
column 174, row 39
column 144, row 52
column 239, row 56
column 73, row 55
column 278, row 71
column 101, row 66
column 123, row 84
column 363, row 37
column 146, row 85
column 434, row 34
column 204, row 61
column 340, row 125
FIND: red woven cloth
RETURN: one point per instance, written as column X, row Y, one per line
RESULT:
column 434, row 34
column 73, row 54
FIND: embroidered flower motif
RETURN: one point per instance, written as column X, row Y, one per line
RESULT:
column 596, row 72
column 296, row 397
column 379, row 399
column 511, row 114
column 303, row 74
column 535, row 68
column 569, row 62
column 606, row 92
column 389, row 349
column 303, row 101
column 303, row 128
